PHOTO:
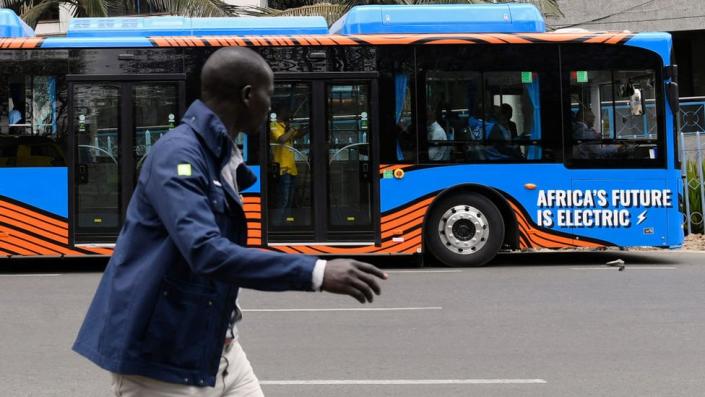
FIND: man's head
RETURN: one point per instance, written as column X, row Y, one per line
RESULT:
column 430, row 116
column 506, row 110
column 283, row 114
column 237, row 84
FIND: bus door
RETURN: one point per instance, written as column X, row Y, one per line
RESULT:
column 320, row 186
column 114, row 124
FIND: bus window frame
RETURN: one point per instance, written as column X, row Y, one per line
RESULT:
column 625, row 63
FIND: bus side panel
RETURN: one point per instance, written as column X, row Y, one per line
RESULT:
column 557, row 207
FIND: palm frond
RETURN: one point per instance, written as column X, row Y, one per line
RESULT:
column 90, row 8
column 13, row 4
column 31, row 14
column 330, row 11
column 425, row 2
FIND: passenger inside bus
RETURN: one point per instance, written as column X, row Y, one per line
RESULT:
column 588, row 142
column 438, row 147
column 284, row 158
column 500, row 135
column 506, row 113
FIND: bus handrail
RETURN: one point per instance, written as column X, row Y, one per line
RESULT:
column 101, row 150
column 293, row 149
column 345, row 148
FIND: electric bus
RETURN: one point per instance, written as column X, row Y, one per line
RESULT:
column 455, row 131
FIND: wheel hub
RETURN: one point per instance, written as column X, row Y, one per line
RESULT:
column 463, row 229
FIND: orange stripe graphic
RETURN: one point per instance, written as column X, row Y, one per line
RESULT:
column 316, row 40
column 33, row 214
column 33, row 229
column 38, row 242
column 408, row 221
column 412, row 241
column 18, row 250
column 342, row 40
column 48, row 230
column 387, row 167
column 509, row 38
column 406, row 210
column 616, row 38
column 30, row 247
column 596, row 39
column 544, row 239
column 450, row 41
column 99, row 250
column 252, row 207
column 253, row 216
column 160, row 42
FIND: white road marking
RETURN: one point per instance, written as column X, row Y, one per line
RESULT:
column 626, row 268
column 368, row 309
column 423, row 271
column 402, row 382
column 29, row 275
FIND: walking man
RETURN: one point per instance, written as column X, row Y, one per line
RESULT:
column 163, row 319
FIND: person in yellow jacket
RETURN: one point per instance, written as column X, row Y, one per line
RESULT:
column 282, row 138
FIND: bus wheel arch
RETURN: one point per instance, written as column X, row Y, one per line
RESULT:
column 459, row 204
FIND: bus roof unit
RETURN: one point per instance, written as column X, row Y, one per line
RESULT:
column 181, row 26
column 441, row 18
column 12, row 26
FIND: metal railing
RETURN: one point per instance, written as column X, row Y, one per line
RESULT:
column 692, row 153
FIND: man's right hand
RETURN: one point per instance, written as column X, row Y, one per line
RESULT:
column 354, row 278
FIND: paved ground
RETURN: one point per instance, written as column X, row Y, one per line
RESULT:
column 559, row 324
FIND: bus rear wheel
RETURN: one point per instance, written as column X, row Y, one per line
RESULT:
column 464, row 229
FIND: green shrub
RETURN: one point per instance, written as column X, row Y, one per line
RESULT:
column 693, row 188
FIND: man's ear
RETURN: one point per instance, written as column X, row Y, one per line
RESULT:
column 246, row 94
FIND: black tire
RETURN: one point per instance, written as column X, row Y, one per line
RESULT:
column 464, row 230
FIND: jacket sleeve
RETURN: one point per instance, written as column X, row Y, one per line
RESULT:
column 180, row 199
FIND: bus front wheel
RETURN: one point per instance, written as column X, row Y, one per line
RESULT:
column 464, row 229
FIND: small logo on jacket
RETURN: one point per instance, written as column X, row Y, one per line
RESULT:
column 183, row 169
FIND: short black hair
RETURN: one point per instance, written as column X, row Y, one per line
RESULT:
column 229, row 69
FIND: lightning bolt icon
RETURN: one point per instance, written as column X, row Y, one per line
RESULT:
column 641, row 218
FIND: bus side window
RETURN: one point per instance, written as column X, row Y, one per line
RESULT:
column 398, row 140
column 474, row 116
column 612, row 115
column 32, row 109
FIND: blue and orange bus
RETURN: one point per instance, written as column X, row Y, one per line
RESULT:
column 456, row 131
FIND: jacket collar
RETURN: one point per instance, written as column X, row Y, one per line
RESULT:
column 207, row 124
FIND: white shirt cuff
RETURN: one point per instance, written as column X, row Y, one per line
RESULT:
column 317, row 276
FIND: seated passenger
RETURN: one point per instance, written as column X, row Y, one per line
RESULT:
column 437, row 151
column 588, row 142
column 506, row 111
column 500, row 137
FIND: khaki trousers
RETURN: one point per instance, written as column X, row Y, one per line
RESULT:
column 238, row 381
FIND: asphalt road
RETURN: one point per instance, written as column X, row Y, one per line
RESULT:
column 559, row 324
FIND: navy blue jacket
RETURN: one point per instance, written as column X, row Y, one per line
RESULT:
column 163, row 305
